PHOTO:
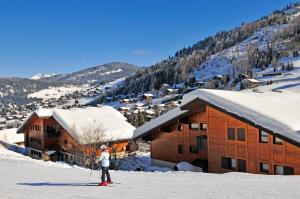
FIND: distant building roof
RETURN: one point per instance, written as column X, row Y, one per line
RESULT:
column 252, row 80
column 148, row 95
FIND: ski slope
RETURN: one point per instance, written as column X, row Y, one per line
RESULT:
column 23, row 178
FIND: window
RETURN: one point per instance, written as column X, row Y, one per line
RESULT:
column 202, row 107
column 202, row 143
column 180, row 127
column 230, row 134
column 277, row 140
column 242, row 167
column 263, row 137
column 233, row 164
column 166, row 129
column 278, row 170
column 203, row 126
column 225, row 163
column 228, row 163
column 283, row 170
column 35, row 140
column 241, row 134
column 180, row 149
column 52, row 132
column 288, row 170
column 194, row 126
column 264, row 167
column 194, row 149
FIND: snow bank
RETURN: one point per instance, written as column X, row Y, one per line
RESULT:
column 185, row 166
column 140, row 162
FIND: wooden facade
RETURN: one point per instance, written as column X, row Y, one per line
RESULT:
column 221, row 142
column 46, row 137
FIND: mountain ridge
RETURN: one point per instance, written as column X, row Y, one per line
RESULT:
column 16, row 89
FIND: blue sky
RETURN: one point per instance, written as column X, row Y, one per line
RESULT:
column 62, row 36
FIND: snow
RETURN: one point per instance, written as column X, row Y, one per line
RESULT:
column 221, row 62
column 10, row 136
column 111, row 72
column 55, row 92
column 292, row 75
column 280, row 86
column 44, row 113
column 41, row 76
column 253, row 80
column 141, row 161
column 77, row 120
column 24, row 178
column 185, row 166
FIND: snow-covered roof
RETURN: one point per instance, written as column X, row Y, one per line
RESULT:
column 276, row 112
column 44, row 113
column 10, row 136
column 148, row 95
column 252, row 80
column 77, row 120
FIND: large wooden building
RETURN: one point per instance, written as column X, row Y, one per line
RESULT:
column 69, row 135
column 224, row 131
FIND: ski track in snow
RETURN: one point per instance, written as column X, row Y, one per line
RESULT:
column 24, row 178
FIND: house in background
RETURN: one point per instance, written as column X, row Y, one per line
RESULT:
column 148, row 96
column 250, row 83
column 10, row 138
column 67, row 135
column 224, row 131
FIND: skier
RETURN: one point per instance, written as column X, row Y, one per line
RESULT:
column 104, row 162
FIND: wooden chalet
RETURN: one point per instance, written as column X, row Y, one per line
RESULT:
column 224, row 131
column 62, row 135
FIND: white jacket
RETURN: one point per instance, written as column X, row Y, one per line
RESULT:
column 104, row 159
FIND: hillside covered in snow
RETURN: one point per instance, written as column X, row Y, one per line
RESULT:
column 250, row 49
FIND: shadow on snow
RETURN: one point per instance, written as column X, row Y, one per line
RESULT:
column 63, row 184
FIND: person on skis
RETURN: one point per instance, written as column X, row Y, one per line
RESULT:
column 104, row 162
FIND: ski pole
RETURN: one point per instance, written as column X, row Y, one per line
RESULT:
column 91, row 172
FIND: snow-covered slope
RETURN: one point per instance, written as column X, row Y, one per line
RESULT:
column 24, row 178
column 101, row 73
column 222, row 63
column 42, row 76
